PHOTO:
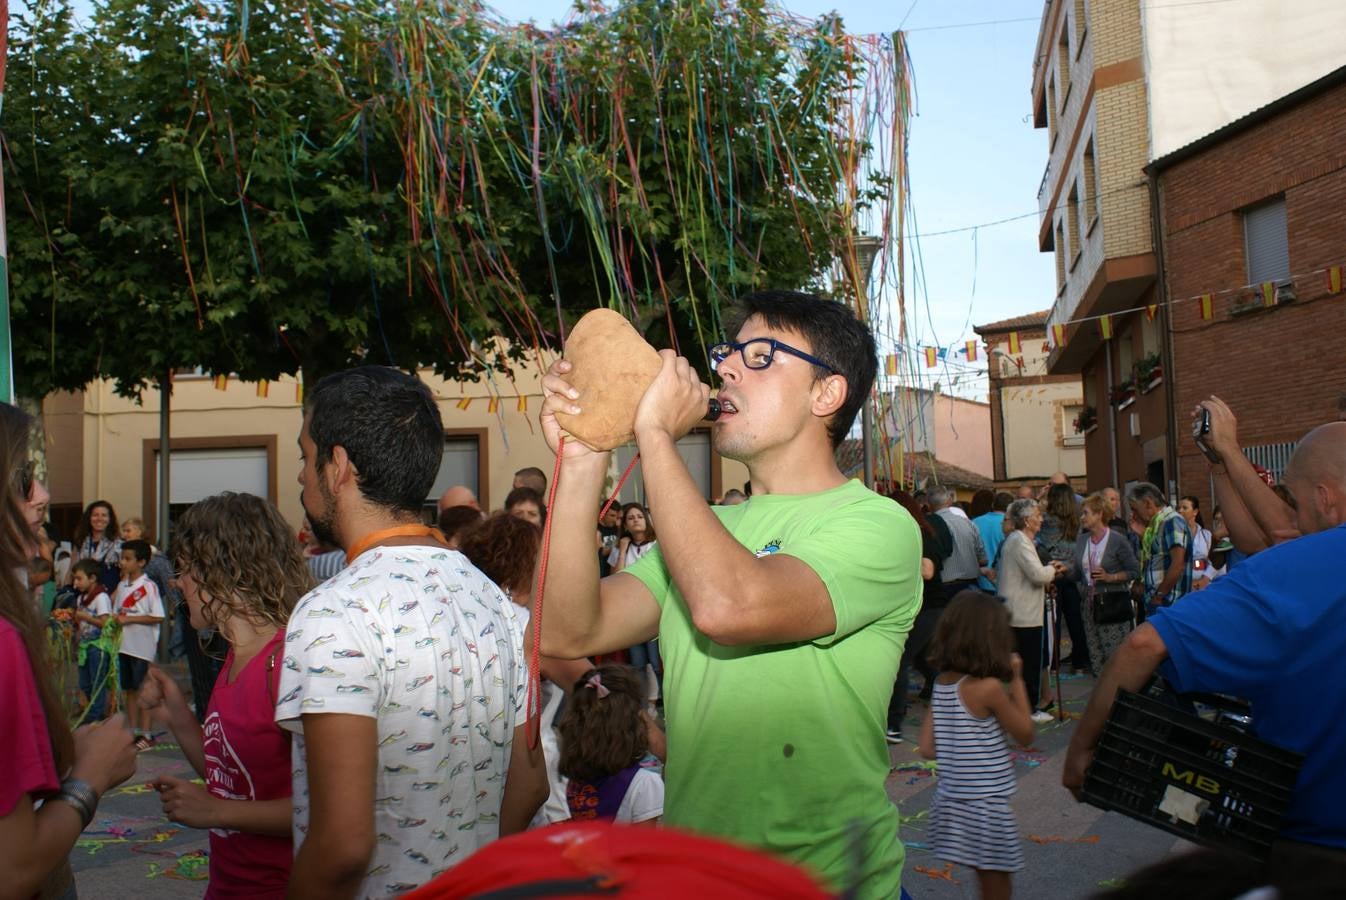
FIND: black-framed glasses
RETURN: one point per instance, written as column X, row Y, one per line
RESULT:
column 758, row 353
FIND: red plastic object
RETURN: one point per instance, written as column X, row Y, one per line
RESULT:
column 629, row 861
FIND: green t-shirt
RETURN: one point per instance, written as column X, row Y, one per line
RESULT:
column 782, row 746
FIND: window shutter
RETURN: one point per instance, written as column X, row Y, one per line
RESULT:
column 1266, row 243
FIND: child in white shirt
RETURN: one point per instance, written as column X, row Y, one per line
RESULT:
column 139, row 609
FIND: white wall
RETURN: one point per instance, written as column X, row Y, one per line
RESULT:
column 1208, row 64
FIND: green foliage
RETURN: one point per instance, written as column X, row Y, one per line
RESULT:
column 264, row 187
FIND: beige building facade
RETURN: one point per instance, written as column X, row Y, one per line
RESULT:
column 101, row 446
column 1033, row 412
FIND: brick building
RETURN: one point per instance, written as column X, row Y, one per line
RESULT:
column 1033, row 412
column 1117, row 83
column 1262, row 199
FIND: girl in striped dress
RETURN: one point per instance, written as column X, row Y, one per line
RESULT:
column 971, row 711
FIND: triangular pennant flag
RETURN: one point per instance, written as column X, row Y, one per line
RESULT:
column 221, row 382
column 971, row 351
column 1151, row 311
column 493, row 405
column 523, row 404
column 1059, row 335
column 930, row 357
column 1268, row 289
column 1105, row 327
column 1014, row 347
column 1334, row 279
column 465, row 402
column 890, row 364
column 942, row 352
column 263, row 388
column 1207, row 306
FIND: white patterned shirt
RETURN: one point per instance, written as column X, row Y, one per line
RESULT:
column 419, row 639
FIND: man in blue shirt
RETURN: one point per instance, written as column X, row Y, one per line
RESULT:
column 1270, row 632
column 991, row 525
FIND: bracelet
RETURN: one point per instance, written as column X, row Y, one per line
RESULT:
column 81, row 796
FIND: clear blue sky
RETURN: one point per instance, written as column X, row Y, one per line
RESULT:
column 974, row 157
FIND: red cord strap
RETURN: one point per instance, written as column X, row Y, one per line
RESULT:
column 533, row 708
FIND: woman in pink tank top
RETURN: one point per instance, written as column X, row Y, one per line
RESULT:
column 241, row 571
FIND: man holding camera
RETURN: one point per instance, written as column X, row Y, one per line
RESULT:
column 1270, row 632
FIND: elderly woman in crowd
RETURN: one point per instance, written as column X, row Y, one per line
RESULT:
column 1022, row 580
column 1105, row 566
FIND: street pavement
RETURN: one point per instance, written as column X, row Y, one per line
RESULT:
column 1071, row 850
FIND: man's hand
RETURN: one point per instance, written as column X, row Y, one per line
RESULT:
column 558, row 395
column 1077, row 763
column 1223, row 437
column 674, row 402
column 187, row 802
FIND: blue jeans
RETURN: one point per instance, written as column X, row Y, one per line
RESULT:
column 647, row 652
column 93, row 675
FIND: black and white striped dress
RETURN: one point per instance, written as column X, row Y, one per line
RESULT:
column 971, row 820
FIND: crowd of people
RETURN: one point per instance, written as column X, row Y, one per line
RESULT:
column 362, row 726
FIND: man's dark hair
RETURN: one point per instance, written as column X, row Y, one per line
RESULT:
column 388, row 423
column 982, row 502
column 1002, row 501
column 834, row 335
column 88, row 566
column 139, row 549
column 534, row 478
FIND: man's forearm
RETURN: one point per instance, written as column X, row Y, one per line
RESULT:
column 570, row 595
column 703, row 559
column 1243, row 528
column 1272, row 515
column 1130, row 669
column 1171, row 576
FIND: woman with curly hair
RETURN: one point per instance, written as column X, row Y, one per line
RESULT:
column 39, row 757
column 241, row 571
column 98, row 537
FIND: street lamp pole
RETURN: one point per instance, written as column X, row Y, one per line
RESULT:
column 866, row 251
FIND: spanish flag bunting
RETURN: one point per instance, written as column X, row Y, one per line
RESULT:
column 971, row 351
column 1059, row 335
column 1014, row 346
column 493, row 405
column 1268, row 293
column 299, row 392
column 1105, row 327
column 523, row 404
column 263, row 388
column 890, row 364
column 1207, row 306
column 464, row 402
column 930, row 357
column 1334, row 279
column 1151, row 311
column 221, row 382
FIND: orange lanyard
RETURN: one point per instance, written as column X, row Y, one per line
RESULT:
column 383, row 534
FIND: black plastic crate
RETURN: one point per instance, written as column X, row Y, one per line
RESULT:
column 1207, row 782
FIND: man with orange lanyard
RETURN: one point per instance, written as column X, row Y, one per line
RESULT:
column 404, row 674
